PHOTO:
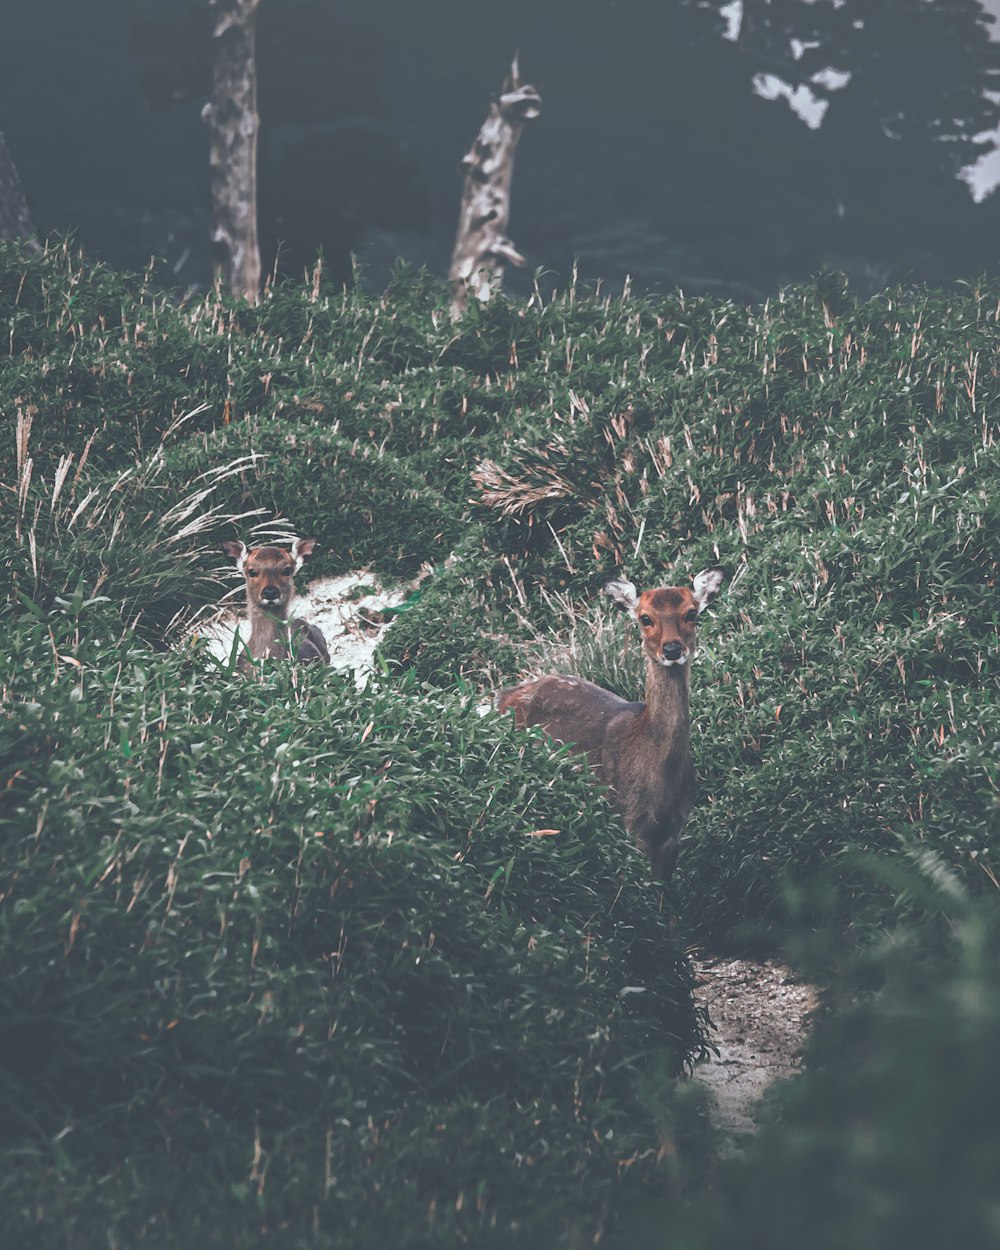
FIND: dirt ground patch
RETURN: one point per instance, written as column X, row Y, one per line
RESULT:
column 761, row 1016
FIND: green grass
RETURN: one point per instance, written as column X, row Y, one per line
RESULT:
column 220, row 1027
column 324, row 923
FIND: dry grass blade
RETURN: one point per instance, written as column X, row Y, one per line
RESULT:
column 60, row 477
column 514, row 496
column 24, row 421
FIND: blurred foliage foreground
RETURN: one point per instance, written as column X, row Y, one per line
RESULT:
column 288, row 963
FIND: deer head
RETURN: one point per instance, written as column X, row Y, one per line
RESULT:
column 668, row 617
column 269, row 572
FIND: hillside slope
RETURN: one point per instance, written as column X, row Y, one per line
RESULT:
column 286, row 959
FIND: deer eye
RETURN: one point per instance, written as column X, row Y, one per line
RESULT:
column 251, row 572
column 693, row 614
column 645, row 620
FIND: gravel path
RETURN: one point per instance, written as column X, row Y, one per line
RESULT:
column 761, row 1016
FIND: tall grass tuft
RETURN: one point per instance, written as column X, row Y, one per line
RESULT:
column 128, row 539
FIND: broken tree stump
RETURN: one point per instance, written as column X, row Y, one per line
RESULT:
column 481, row 244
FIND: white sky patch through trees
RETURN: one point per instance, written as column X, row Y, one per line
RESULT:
column 982, row 177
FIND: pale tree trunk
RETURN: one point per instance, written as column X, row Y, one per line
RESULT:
column 481, row 243
column 232, row 121
column 15, row 217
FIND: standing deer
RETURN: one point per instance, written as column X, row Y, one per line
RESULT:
column 268, row 573
column 642, row 751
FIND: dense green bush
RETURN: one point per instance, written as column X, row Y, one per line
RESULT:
column 325, row 952
column 839, row 459
column 452, row 631
column 842, row 463
column 181, row 1014
column 366, row 506
column 889, row 1138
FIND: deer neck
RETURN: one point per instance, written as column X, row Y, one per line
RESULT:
column 667, row 713
column 268, row 633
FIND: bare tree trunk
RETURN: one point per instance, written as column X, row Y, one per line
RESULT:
column 232, row 120
column 15, row 217
column 481, row 242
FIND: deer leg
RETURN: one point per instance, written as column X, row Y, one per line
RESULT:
column 662, row 859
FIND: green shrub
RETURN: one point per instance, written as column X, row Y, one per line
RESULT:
column 842, row 464
column 453, row 631
column 365, row 506
column 888, row 1138
column 99, row 360
column 839, row 459
column 282, row 956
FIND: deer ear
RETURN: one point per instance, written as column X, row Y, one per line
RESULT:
column 302, row 547
column 706, row 586
column 623, row 593
column 236, row 550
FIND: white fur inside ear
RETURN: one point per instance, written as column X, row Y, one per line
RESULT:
column 295, row 554
column 623, row 593
column 706, row 586
column 241, row 559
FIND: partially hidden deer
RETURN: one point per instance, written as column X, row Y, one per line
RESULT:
column 641, row 751
column 269, row 574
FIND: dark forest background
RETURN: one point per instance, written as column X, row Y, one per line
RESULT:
column 654, row 157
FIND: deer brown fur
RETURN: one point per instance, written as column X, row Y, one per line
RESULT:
column 269, row 574
column 641, row 751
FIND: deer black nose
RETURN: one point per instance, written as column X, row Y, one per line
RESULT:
column 672, row 650
column 270, row 594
